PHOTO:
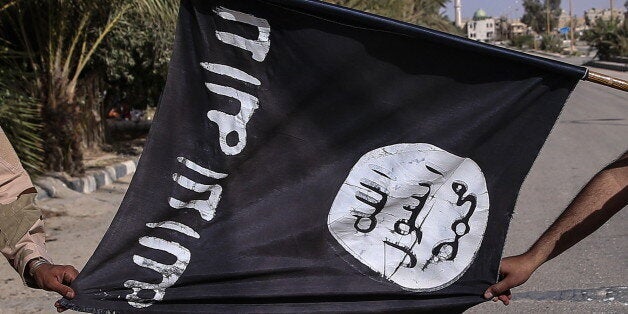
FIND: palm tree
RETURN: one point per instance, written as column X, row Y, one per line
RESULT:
column 610, row 38
column 55, row 40
column 50, row 45
column 421, row 12
column 20, row 120
column 19, row 113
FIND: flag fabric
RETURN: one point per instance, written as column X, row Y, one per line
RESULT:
column 311, row 158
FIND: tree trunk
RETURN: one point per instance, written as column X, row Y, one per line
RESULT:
column 62, row 139
column 92, row 118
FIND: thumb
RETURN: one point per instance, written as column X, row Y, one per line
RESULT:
column 498, row 289
column 60, row 288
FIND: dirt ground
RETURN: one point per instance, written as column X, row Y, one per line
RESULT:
column 77, row 223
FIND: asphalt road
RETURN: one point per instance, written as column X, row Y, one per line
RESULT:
column 591, row 277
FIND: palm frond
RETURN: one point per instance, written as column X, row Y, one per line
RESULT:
column 426, row 13
column 160, row 13
column 7, row 5
column 20, row 119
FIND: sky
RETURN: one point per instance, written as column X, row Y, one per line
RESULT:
column 513, row 8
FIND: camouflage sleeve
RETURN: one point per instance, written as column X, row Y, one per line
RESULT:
column 22, row 236
column 21, row 227
column 13, row 178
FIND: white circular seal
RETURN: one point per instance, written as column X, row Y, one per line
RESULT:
column 414, row 213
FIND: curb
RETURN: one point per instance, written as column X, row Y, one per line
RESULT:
column 549, row 54
column 615, row 66
column 90, row 182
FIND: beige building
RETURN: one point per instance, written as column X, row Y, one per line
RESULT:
column 516, row 29
column 564, row 20
column 592, row 15
column 482, row 27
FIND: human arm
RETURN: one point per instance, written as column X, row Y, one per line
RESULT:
column 23, row 245
column 598, row 201
column 22, row 236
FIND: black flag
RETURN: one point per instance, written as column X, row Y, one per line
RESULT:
column 307, row 157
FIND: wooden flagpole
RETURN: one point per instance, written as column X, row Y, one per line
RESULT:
column 610, row 81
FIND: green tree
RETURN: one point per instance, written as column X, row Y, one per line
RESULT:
column 19, row 113
column 53, row 41
column 134, row 57
column 52, row 49
column 20, row 120
column 523, row 41
column 535, row 14
column 552, row 43
column 421, row 12
column 610, row 38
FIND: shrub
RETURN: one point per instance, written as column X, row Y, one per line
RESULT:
column 523, row 41
column 552, row 43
